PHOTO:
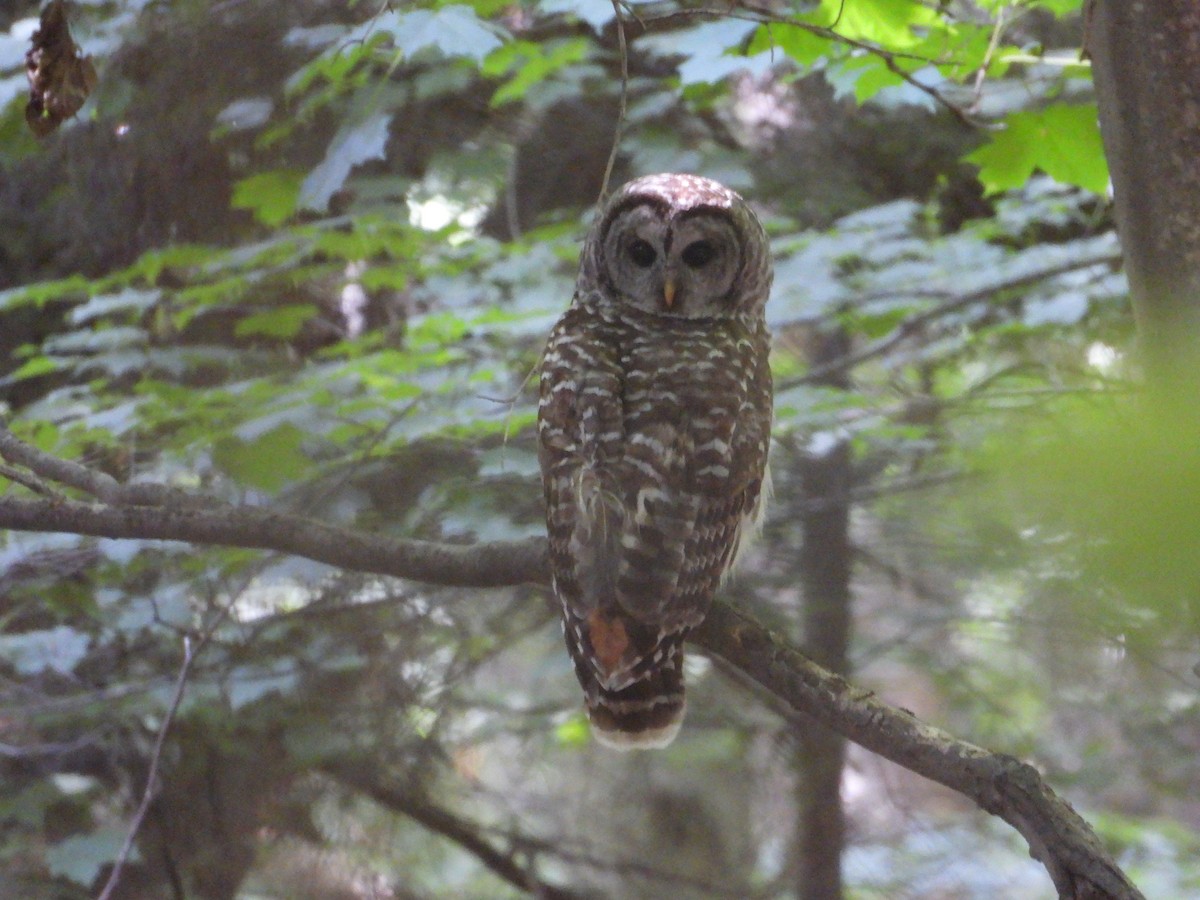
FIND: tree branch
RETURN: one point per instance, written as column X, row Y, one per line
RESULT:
column 469, row 565
column 1000, row 784
column 913, row 324
column 1004, row 786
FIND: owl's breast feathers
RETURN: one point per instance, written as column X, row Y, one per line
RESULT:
column 653, row 438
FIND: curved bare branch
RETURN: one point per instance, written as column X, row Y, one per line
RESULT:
column 1003, row 785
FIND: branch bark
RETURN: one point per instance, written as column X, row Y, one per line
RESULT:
column 466, row 565
column 1004, row 786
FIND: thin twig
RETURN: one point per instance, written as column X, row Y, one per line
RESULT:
column 981, row 73
column 190, row 654
column 616, row 144
column 114, row 877
column 29, row 480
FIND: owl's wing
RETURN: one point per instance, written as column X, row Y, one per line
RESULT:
column 580, row 432
column 660, row 516
column 711, row 504
column 619, row 512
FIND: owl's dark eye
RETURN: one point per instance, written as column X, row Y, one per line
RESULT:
column 698, row 254
column 641, row 253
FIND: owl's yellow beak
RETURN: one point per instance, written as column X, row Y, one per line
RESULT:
column 669, row 292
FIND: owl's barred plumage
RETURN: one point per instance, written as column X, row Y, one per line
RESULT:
column 653, row 427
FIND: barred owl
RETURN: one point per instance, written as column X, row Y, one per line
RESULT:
column 653, row 428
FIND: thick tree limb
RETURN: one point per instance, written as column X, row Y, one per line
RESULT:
column 468, row 565
column 1003, row 785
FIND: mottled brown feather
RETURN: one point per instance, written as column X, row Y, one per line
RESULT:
column 653, row 437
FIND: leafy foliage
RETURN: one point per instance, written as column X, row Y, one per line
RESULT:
column 351, row 337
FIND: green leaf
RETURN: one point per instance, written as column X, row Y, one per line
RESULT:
column 283, row 323
column 80, row 858
column 354, row 143
column 868, row 75
column 1062, row 140
column 574, row 732
column 1060, row 8
column 39, row 365
column 535, row 64
column 271, row 196
column 801, row 46
column 889, row 23
column 268, row 462
column 28, row 806
column 452, row 31
column 33, row 652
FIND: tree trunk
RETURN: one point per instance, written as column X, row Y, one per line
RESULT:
column 1145, row 59
column 825, row 557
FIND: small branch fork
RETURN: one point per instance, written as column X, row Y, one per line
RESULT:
column 1057, row 836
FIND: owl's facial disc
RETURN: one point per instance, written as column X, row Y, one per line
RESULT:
column 703, row 260
column 635, row 247
column 682, row 266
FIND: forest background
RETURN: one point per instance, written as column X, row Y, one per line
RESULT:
column 290, row 268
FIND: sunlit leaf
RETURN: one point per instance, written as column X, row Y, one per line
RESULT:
column 865, row 75
column 39, row 365
column 271, row 196
column 533, row 63
column 1061, row 140
column 800, row 45
column 894, row 24
column 574, row 732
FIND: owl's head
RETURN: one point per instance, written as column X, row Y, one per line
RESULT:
column 681, row 246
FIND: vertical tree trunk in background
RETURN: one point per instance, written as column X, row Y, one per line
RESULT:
column 825, row 558
column 1146, row 62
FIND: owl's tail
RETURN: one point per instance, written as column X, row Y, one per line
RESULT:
column 644, row 716
column 641, row 705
